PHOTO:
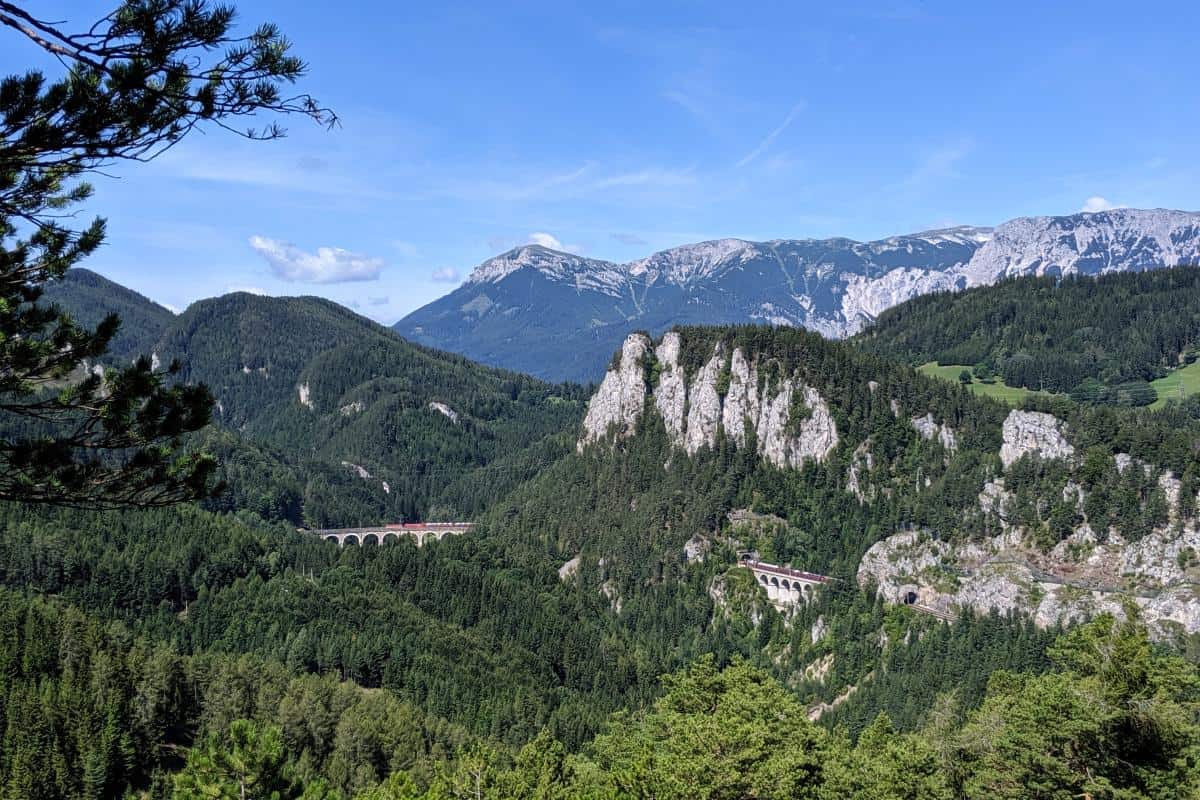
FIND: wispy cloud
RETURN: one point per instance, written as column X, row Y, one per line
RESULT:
column 648, row 177
column 938, row 164
column 326, row 265
column 247, row 290
column 445, row 275
column 630, row 239
column 377, row 301
column 770, row 138
column 549, row 183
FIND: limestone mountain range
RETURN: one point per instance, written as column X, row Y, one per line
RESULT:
column 560, row 315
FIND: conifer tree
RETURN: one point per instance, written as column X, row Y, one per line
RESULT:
column 135, row 83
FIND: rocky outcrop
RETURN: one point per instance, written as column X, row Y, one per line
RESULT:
column 861, row 464
column 444, row 410
column 704, row 406
column 816, row 436
column 670, row 396
column 741, row 410
column 302, row 391
column 696, row 548
column 1078, row 579
column 1033, row 433
column 619, row 401
column 569, row 569
column 935, row 431
column 722, row 396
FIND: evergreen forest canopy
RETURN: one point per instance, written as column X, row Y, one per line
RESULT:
column 209, row 649
column 1100, row 339
column 474, row 659
column 370, row 405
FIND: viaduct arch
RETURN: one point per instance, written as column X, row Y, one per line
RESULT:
column 419, row 532
column 785, row 586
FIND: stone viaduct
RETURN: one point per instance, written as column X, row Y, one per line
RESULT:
column 420, row 532
column 785, row 586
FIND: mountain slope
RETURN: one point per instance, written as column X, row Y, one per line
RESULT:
column 1088, row 336
column 558, row 316
column 89, row 297
column 876, row 472
column 326, row 418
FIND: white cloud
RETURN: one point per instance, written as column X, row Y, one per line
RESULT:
column 770, row 137
column 552, row 242
column 327, row 265
column 1097, row 203
column 246, row 289
column 445, row 275
column 545, row 240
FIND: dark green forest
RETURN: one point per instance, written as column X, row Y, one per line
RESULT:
column 367, row 404
column 1098, row 338
column 173, row 652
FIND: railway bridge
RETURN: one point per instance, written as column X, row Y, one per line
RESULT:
column 420, row 532
column 785, row 586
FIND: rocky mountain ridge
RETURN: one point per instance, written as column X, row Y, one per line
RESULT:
column 1032, row 481
column 1088, row 572
column 558, row 315
column 790, row 422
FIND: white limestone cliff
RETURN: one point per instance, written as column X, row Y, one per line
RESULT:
column 1033, row 432
column 741, row 401
column 619, row 401
column 935, row 431
column 695, row 413
column 704, row 406
column 670, row 396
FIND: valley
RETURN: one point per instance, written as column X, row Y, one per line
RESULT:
column 621, row 535
column 650, row 504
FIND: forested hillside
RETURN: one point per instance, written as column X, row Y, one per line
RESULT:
column 324, row 418
column 605, row 557
column 89, row 298
column 1101, row 339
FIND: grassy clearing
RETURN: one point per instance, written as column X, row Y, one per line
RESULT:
column 1013, row 395
column 1182, row 382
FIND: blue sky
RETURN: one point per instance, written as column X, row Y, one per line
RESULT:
column 615, row 129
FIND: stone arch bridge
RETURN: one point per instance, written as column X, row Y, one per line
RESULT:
column 785, row 586
column 420, row 532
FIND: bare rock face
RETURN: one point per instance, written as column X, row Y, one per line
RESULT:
column 619, row 401
column 1080, row 578
column 670, row 396
column 1175, row 610
column 444, row 410
column 861, row 463
column 741, row 402
column 569, row 569
column 303, row 392
column 704, row 406
column 1033, row 432
column 696, row 548
column 782, row 441
column 1161, row 555
column 817, row 435
column 995, row 499
column 935, row 431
